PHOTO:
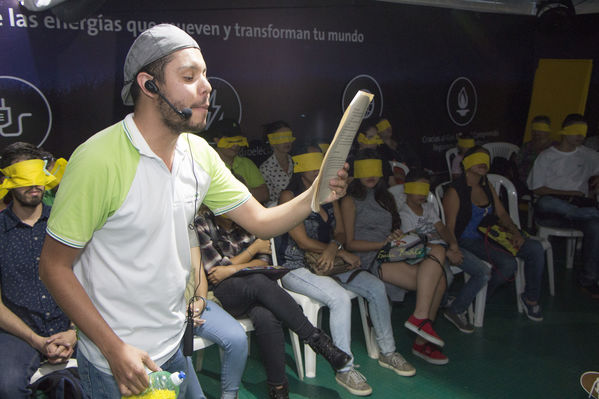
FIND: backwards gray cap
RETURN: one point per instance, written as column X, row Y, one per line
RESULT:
column 151, row 45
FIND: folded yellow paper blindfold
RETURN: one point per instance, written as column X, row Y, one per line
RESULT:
column 307, row 162
column 368, row 168
column 383, row 125
column 466, row 143
column 25, row 174
column 57, row 171
column 228, row 142
column 577, row 129
column 285, row 136
column 477, row 158
column 541, row 127
column 416, row 187
column 373, row 140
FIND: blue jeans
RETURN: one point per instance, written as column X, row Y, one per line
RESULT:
column 222, row 329
column 504, row 263
column 326, row 290
column 480, row 274
column 19, row 363
column 99, row 385
column 584, row 219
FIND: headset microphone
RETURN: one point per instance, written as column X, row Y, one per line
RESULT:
column 184, row 113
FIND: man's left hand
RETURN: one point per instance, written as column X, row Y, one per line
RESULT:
column 59, row 347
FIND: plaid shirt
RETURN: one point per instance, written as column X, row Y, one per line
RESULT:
column 226, row 244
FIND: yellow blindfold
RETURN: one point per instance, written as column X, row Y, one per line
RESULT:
column 417, row 187
column 228, row 142
column 285, row 136
column 25, row 174
column 541, row 127
column 368, row 168
column 466, row 143
column 373, row 140
column 477, row 158
column 383, row 125
column 577, row 129
column 57, row 171
column 307, row 162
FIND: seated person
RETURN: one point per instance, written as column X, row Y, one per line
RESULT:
column 417, row 214
column 323, row 232
column 227, row 138
column 368, row 138
column 566, row 178
column 466, row 202
column 278, row 168
column 540, row 140
column 33, row 329
column 465, row 142
column 371, row 221
column 395, row 148
column 218, row 326
column 226, row 249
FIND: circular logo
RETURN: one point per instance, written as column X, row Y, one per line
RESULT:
column 224, row 102
column 462, row 101
column 368, row 84
column 25, row 113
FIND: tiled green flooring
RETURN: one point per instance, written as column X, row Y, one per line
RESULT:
column 510, row 357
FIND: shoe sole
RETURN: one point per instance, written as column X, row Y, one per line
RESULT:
column 533, row 318
column 457, row 325
column 354, row 391
column 424, row 334
column 409, row 373
column 438, row 362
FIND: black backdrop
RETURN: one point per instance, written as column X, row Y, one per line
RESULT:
column 291, row 63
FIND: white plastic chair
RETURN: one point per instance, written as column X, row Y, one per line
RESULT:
column 450, row 154
column 501, row 149
column 48, row 368
column 311, row 309
column 570, row 234
column 499, row 182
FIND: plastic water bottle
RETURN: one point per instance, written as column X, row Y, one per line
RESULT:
column 163, row 385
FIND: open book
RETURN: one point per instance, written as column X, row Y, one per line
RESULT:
column 337, row 153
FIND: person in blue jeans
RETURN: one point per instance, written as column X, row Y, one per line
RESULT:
column 466, row 202
column 566, row 177
column 323, row 232
column 417, row 214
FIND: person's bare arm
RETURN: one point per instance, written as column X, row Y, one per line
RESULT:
column 126, row 362
column 451, row 206
column 12, row 324
column 270, row 222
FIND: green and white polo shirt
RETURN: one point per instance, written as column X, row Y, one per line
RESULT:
column 131, row 216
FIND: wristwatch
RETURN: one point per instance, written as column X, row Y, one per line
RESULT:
column 339, row 245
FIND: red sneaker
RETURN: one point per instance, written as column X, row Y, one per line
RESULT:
column 430, row 353
column 424, row 328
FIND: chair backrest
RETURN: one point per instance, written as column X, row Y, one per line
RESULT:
column 449, row 155
column 501, row 149
column 500, row 182
column 439, row 191
column 398, row 194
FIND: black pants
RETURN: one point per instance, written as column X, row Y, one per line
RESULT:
column 267, row 305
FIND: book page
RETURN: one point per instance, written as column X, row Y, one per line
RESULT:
column 337, row 153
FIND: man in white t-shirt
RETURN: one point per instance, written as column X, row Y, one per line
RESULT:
column 565, row 176
column 117, row 254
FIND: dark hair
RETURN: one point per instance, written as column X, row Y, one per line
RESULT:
column 417, row 174
column 156, row 69
column 271, row 127
column 382, row 196
column 572, row 119
column 20, row 150
column 541, row 119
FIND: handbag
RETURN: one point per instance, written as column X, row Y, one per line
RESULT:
column 500, row 236
column 339, row 265
column 410, row 247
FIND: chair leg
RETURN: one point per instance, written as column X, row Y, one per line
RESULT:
column 570, row 252
column 199, row 360
column 314, row 317
column 479, row 307
column 550, row 271
column 371, row 345
column 297, row 353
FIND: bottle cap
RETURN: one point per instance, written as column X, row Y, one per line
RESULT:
column 177, row 378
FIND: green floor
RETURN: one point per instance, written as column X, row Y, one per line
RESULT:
column 510, row 357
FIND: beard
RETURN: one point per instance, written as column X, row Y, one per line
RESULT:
column 25, row 201
column 176, row 123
